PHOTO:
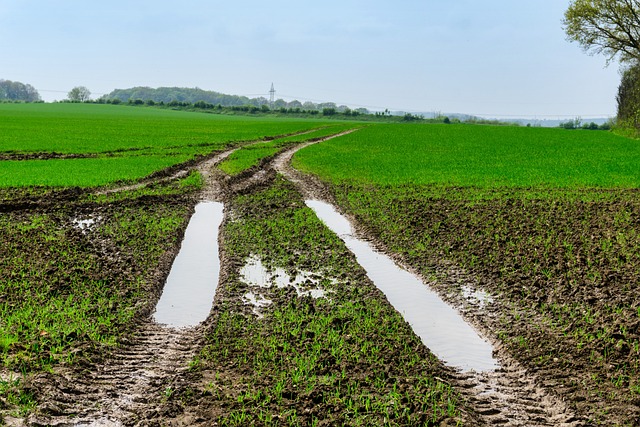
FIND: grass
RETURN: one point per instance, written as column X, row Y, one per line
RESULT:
column 91, row 172
column 480, row 156
column 116, row 143
column 95, row 128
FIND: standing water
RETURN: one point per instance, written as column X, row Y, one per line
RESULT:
column 191, row 285
column 440, row 327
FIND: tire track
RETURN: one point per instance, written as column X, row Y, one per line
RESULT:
column 128, row 389
column 509, row 396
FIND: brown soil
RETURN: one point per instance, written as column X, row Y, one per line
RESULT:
column 43, row 156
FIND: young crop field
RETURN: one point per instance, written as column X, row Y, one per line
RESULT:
column 251, row 155
column 84, row 145
column 478, row 156
column 546, row 221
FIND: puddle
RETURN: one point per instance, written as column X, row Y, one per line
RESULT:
column 254, row 273
column 257, row 301
column 440, row 326
column 85, row 224
column 476, row 296
column 191, row 285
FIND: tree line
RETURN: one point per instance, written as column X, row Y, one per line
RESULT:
column 192, row 95
column 16, row 91
column 327, row 112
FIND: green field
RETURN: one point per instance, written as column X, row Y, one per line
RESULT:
column 118, row 142
column 480, row 156
column 544, row 220
column 250, row 155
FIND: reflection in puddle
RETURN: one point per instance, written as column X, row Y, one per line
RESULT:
column 191, row 285
column 256, row 275
column 439, row 326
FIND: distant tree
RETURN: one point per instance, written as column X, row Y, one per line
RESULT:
column 590, row 126
column 16, row 91
column 571, row 124
column 79, row 94
column 309, row 106
column 408, row 117
column 610, row 27
column 327, row 105
column 280, row 103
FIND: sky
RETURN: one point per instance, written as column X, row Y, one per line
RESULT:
column 492, row 58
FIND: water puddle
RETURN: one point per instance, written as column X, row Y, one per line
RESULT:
column 257, row 301
column 255, row 274
column 85, row 224
column 191, row 285
column 476, row 296
column 440, row 326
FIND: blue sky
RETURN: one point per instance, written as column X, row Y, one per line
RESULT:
column 493, row 58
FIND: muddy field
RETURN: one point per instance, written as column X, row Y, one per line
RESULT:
column 561, row 267
column 325, row 348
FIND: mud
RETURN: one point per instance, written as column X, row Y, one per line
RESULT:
column 147, row 381
column 124, row 391
column 43, row 156
column 512, row 395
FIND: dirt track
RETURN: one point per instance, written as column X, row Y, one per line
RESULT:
column 135, row 385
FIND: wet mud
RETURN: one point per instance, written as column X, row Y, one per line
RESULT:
column 150, row 380
column 512, row 395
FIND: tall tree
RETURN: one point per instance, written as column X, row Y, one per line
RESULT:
column 610, row 27
column 79, row 94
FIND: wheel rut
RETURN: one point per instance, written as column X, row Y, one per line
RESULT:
column 129, row 388
column 510, row 396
